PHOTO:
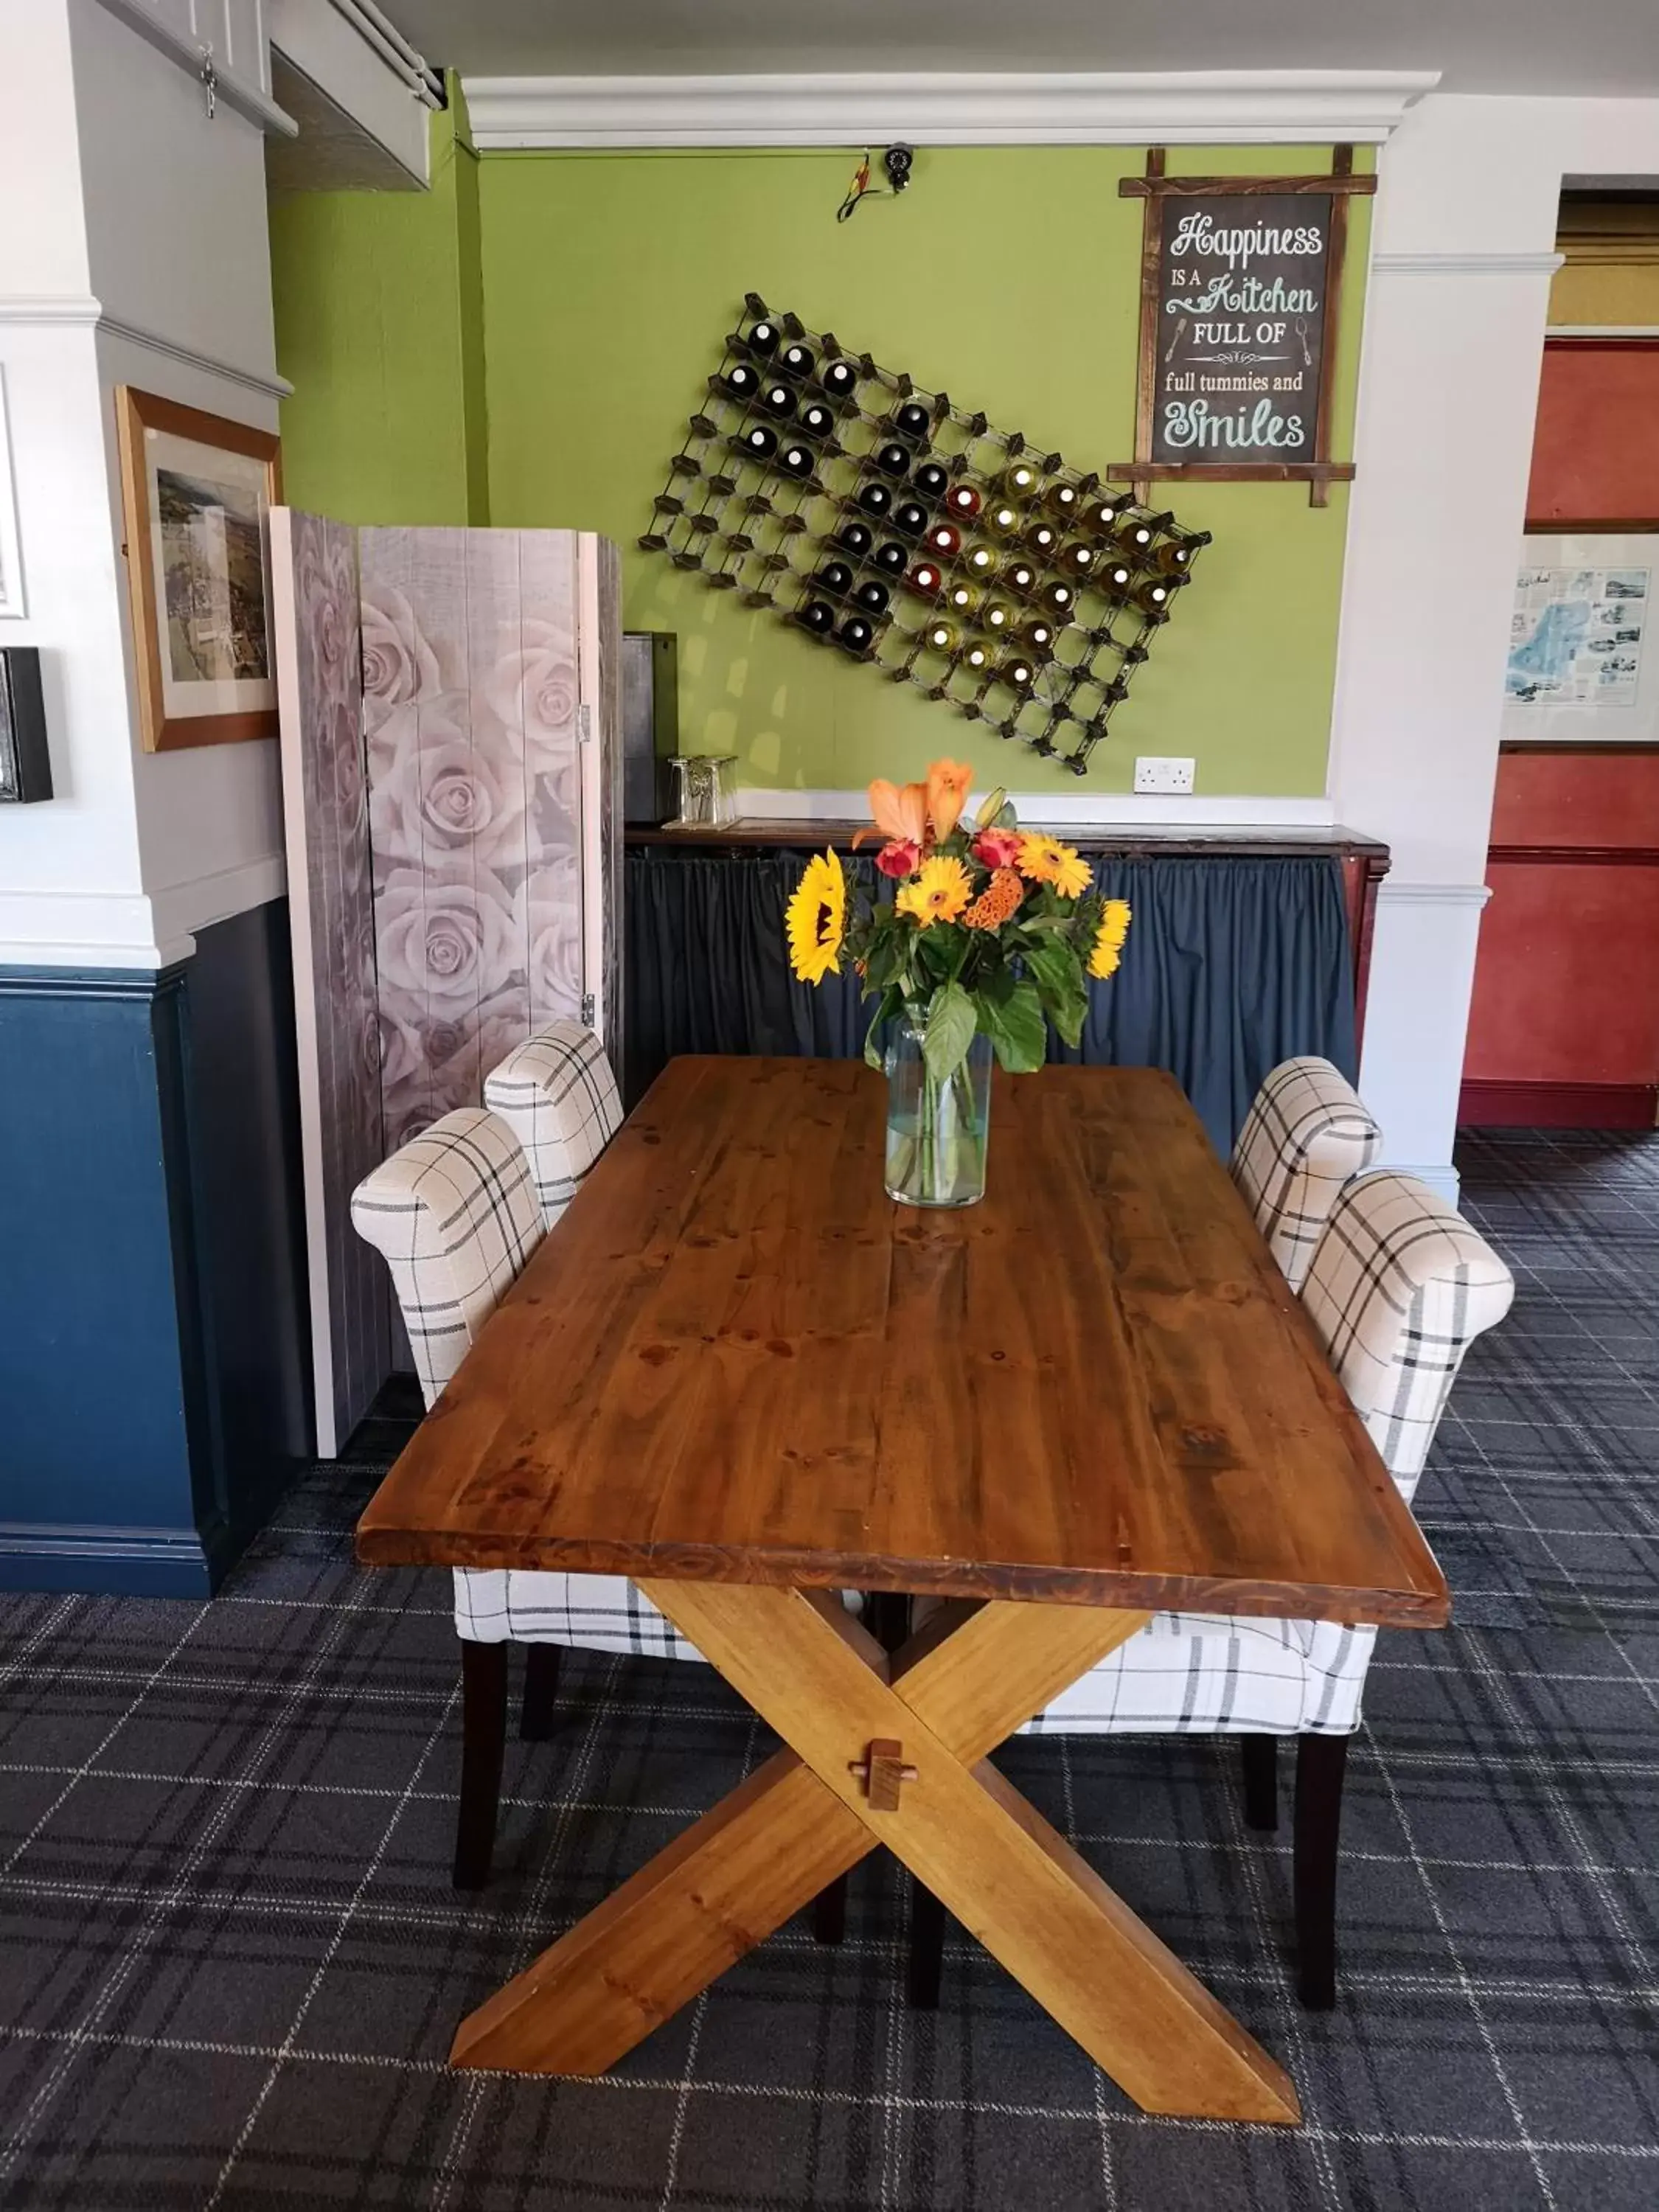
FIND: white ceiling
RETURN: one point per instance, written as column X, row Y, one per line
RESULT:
column 1480, row 46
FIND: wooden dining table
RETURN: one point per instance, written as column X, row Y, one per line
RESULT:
column 738, row 1373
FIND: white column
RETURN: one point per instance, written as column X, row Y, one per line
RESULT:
column 1462, row 253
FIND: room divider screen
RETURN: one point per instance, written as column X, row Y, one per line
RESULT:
column 450, row 705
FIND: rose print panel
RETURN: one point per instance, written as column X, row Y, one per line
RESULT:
column 537, row 678
column 315, row 602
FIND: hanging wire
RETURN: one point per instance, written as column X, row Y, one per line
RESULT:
column 856, row 190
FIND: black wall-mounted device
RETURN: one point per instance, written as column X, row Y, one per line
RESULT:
column 25, row 759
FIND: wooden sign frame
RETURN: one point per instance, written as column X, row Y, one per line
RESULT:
column 1154, row 188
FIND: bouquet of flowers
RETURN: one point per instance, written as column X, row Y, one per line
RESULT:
column 992, row 934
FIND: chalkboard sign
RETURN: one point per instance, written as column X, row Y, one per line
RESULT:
column 1240, row 328
column 1239, row 291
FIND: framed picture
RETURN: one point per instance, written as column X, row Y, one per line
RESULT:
column 196, row 494
column 12, row 558
column 1584, row 665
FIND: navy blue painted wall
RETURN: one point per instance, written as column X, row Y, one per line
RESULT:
column 153, row 1385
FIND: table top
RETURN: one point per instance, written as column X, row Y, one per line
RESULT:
column 735, row 1358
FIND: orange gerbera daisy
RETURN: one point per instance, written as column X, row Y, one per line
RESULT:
column 1000, row 898
column 938, row 894
column 1046, row 860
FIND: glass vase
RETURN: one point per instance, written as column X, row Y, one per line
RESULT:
column 937, row 1132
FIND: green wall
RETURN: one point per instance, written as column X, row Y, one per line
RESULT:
column 379, row 329
column 600, row 285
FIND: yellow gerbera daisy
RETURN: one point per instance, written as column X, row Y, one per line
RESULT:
column 1046, row 860
column 816, row 918
column 1108, row 939
column 940, row 893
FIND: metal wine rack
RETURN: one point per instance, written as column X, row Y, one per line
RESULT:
column 1037, row 637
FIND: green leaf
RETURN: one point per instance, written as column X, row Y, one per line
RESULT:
column 1011, row 1015
column 1057, row 972
column 875, row 1044
column 951, row 1021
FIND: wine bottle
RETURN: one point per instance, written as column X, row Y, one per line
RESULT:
column 930, row 479
column 982, row 560
column 855, row 634
column 1019, row 481
column 796, row 461
column 1003, row 519
column 778, row 400
column 875, row 498
column 911, row 420
column 1039, row 635
column 1020, row 575
column 1135, row 533
column 1115, row 580
column 819, row 616
column 911, row 517
column 893, row 460
column 1019, row 673
column 926, row 579
column 1154, row 594
column 818, row 420
column 1061, row 499
column 872, row 597
column 1057, row 598
column 840, row 377
column 892, row 558
column 941, row 636
column 1043, row 537
column 763, row 338
column 961, row 599
column 740, row 380
column 1080, row 559
column 945, row 540
column 998, row 616
column 1173, row 556
column 977, row 657
column 798, row 360
column 1101, row 516
column 963, row 502
column 856, row 538
column 835, row 576
column 760, row 442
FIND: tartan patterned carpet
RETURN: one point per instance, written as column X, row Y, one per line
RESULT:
column 230, row 1960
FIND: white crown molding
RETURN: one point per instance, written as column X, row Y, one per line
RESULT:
column 43, row 311
column 1443, row 895
column 231, row 88
column 1466, row 264
column 1055, row 108
column 1120, row 810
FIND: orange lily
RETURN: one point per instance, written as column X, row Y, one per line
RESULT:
column 901, row 815
column 947, row 794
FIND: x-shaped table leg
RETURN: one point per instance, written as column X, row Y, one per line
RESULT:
column 949, row 1697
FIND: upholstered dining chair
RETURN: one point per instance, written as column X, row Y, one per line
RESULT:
column 1399, row 1287
column 1307, row 1134
column 456, row 1216
column 558, row 1096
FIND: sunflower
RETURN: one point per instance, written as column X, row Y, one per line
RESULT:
column 938, row 894
column 1108, row 939
column 816, row 919
column 1046, row 860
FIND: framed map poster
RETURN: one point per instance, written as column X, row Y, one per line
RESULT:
column 1583, row 663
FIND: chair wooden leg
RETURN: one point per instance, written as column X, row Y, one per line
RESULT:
column 541, row 1688
column 1260, row 1754
column 483, row 1740
column 829, row 1912
column 927, row 1948
column 1320, row 1764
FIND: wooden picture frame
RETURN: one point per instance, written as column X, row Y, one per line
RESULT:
column 197, row 491
column 1316, row 469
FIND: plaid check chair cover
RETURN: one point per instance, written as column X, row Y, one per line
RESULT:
column 1308, row 1133
column 456, row 1216
column 1400, row 1288
column 557, row 1095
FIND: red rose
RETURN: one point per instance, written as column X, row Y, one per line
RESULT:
column 898, row 858
column 997, row 849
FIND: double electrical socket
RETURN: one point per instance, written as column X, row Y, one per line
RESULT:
column 1157, row 772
